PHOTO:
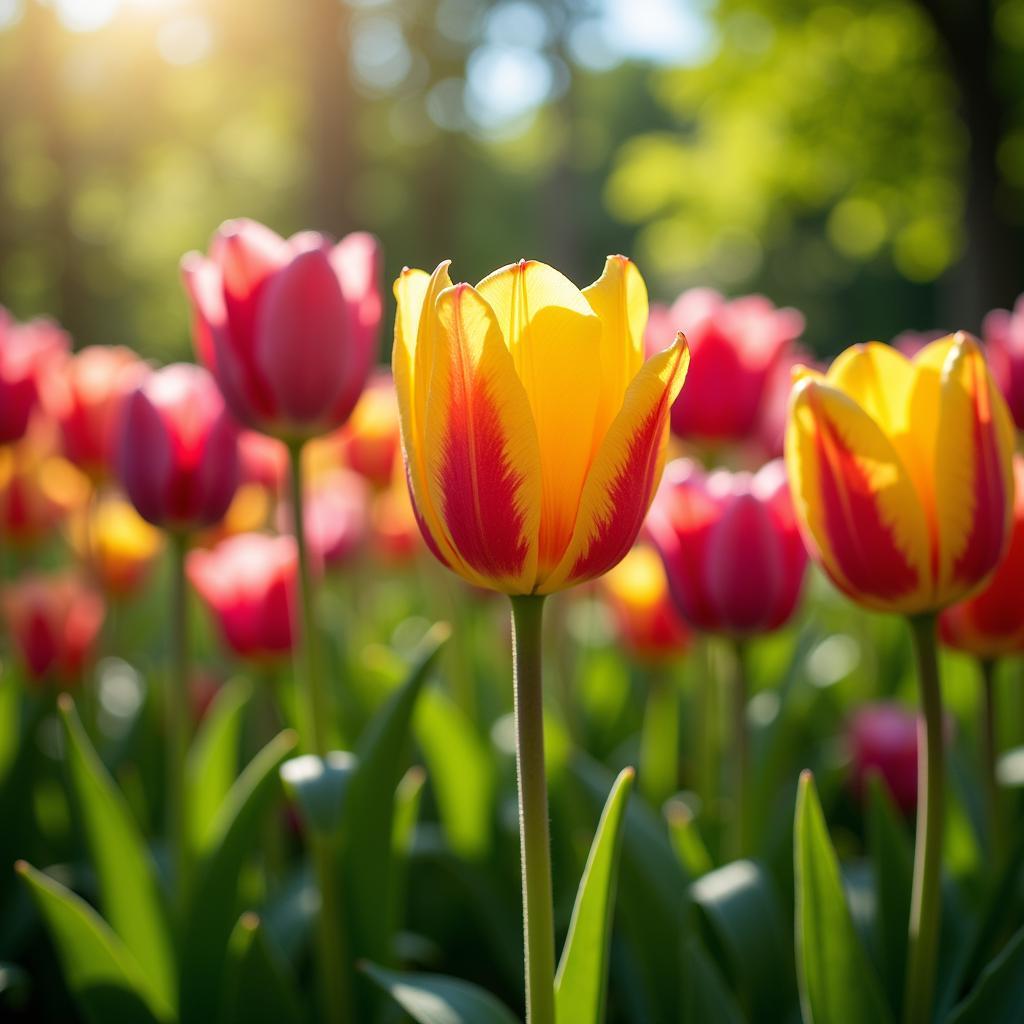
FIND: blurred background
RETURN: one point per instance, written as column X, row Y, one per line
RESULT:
column 863, row 161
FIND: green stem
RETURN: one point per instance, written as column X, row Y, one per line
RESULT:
column 659, row 737
column 925, row 907
column 741, row 746
column 989, row 753
column 535, row 845
column 178, row 723
column 312, row 697
column 314, row 714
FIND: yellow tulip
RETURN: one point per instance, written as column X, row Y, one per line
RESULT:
column 534, row 433
column 901, row 472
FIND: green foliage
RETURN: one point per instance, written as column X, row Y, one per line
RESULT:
column 258, row 987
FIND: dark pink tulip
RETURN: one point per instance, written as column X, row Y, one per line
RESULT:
column 248, row 581
column 178, row 458
column 735, row 348
column 732, row 552
column 1003, row 332
column 288, row 327
column 27, row 352
column 882, row 738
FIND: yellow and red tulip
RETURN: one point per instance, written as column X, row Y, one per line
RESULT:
column 901, row 473
column 535, row 459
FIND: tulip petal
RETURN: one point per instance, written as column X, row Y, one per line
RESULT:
column 621, row 483
column 554, row 338
column 974, row 471
column 619, row 298
column 855, row 500
column 482, row 460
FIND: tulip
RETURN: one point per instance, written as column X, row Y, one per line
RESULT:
column 534, row 437
column 732, row 551
column 902, row 481
column 1003, row 332
column 86, row 398
column 288, row 328
column 179, row 449
column 54, row 622
column 370, row 441
column 394, row 534
column 27, row 353
column 248, row 582
column 335, row 514
column 882, row 738
column 736, row 348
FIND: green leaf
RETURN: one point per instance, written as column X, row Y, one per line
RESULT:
column 407, row 809
column 582, row 980
column 212, row 908
column 837, row 983
column 319, row 785
column 687, row 841
column 129, row 894
column 999, row 994
column 107, row 982
column 740, row 906
column 259, row 986
column 213, row 760
column 705, row 995
column 433, row 999
column 462, row 773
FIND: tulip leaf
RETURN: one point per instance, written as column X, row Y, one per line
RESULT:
column 740, row 906
column 106, row 980
column 582, row 980
column 433, row 999
column 407, row 809
column 213, row 759
column 706, row 997
column 129, row 893
column 999, row 994
column 259, row 987
column 837, row 982
column 687, row 842
column 212, row 908
column 318, row 785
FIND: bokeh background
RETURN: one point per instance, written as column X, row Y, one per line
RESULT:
column 863, row 161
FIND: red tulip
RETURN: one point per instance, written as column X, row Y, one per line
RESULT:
column 289, row 328
column 732, row 552
column 336, row 512
column 734, row 347
column 991, row 622
column 264, row 460
column 86, row 398
column 54, row 621
column 1003, row 332
column 882, row 738
column 248, row 581
column 179, row 449
column 27, row 352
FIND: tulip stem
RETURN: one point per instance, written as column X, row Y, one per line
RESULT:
column 178, row 723
column 741, row 740
column 989, row 747
column 925, row 907
column 313, row 707
column 659, row 737
column 535, row 844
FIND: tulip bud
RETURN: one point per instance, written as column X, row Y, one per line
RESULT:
column 882, row 738
column 370, row 441
column 179, row 449
column 1003, row 332
column 288, row 328
column 27, row 353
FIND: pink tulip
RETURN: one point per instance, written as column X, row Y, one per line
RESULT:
column 734, row 348
column 248, row 582
column 1003, row 332
column 27, row 352
column 288, row 328
column 178, row 458
column 336, row 513
column 732, row 552
column 882, row 738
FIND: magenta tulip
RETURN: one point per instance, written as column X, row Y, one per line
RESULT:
column 1004, row 340
column 178, row 458
column 26, row 352
column 882, row 739
column 731, row 548
column 288, row 327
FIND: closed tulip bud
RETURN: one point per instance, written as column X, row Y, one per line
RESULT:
column 288, row 327
column 882, row 739
column 536, row 455
column 249, row 584
column 736, row 347
column 647, row 621
column 86, row 398
column 1003, row 332
column 370, row 441
column 178, row 457
column 54, row 622
column 27, row 353
column 732, row 551
column 990, row 623
column 901, row 473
